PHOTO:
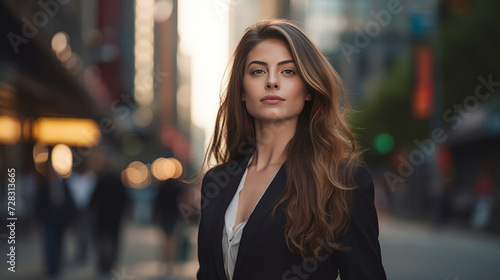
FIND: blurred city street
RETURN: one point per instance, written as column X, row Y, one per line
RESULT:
column 416, row 251
column 139, row 258
column 411, row 250
column 108, row 107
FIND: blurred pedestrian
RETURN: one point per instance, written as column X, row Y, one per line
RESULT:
column 483, row 189
column 29, row 182
column 108, row 206
column 288, row 198
column 82, row 184
column 167, row 216
column 54, row 209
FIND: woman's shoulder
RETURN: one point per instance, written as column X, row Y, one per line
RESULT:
column 363, row 259
column 363, row 180
column 224, row 171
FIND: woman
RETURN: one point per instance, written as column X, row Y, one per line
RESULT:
column 288, row 198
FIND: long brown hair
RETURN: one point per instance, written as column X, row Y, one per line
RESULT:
column 321, row 156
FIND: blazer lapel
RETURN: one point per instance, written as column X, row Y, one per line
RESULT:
column 261, row 210
column 227, row 195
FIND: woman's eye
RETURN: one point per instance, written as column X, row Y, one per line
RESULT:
column 289, row 72
column 258, row 71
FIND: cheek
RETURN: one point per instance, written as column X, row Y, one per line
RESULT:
column 298, row 105
column 249, row 87
column 299, row 96
column 299, row 90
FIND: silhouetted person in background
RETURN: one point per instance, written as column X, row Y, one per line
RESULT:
column 55, row 208
column 483, row 189
column 166, row 214
column 108, row 205
column 82, row 183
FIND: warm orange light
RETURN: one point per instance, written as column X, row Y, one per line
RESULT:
column 40, row 158
column 62, row 160
column 123, row 176
column 40, row 162
column 59, row 42
column 163, row 169
column 26, row 130
column 136, row 175
column 72, row 132
column 178, row 168
column 11, row 130
column 423, row 91
column 40, row 153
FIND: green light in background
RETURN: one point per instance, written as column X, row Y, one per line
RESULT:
column 132, row 144
column 383, row 143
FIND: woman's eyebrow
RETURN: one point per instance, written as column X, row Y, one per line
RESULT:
column 265, row 63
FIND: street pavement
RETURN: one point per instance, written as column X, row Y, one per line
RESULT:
column 416, row 251
column 140, row 258
column 410, row 250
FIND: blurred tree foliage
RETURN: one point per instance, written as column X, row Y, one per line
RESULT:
column 389, row 111
column 470, row 47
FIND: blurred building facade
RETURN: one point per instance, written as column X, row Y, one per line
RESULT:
column 88, row 73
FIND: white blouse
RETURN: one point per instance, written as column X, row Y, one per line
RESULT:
column 232, row 234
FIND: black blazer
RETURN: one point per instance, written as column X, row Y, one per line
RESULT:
column 263, row 253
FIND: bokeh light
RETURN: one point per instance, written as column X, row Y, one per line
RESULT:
column 178, row 168
column 163, row 169
column 163, row 10
column 69, row 131
column 136, row 175
column 11, row 130
column 62, row 160
column 59, row 42
column 383, row 143
column 132, row 144
column 142, row 116
column 40, row 158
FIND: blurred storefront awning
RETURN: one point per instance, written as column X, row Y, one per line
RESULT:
column 476, row 125
column 33, row 81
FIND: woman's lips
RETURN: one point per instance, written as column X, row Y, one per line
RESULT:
column 272, row 99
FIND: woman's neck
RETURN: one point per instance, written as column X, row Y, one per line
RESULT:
column 272, row 138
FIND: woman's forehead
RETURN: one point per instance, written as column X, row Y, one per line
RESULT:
column 270, row 51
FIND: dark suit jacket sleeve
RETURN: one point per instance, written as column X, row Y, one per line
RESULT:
column 203, row 252
column 363, row 260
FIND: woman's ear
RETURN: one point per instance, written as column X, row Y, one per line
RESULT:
column 308, row 96
column 243, row 97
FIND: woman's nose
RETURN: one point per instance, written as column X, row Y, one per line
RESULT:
column 272, row 82
column 271, row 85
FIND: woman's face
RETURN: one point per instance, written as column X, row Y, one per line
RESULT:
column 273, row 88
